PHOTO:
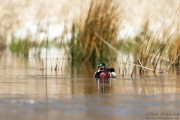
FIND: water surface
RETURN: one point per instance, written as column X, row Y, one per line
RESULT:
column 28, row 92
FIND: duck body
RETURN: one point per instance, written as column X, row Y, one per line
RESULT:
column 107, row 73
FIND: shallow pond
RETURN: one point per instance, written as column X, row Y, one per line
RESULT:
column 27, row 92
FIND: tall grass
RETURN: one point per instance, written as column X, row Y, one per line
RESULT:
column 103, row 18
column 20, row 46
column 151, row 52
column 96, row 40
column 174, row 56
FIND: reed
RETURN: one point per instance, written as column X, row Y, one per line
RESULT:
column 20, row 46
column 151, row 51
column 174, row 56
column 96, row 40
column 103, row 18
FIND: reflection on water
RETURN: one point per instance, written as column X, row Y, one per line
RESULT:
column 26, row 92
column 87, row 106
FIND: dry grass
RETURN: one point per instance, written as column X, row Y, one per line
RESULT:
column 174, row 56
column 151, row 49
column 104, row 19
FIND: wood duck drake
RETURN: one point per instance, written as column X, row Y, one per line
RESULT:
column 104, row 72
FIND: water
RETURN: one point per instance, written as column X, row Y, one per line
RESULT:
column 28, row 93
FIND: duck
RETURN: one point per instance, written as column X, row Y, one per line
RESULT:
column 104, row 72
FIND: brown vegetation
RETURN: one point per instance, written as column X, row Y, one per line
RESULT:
column 104, row 19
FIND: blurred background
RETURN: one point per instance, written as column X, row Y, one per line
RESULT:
column 89, row 31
